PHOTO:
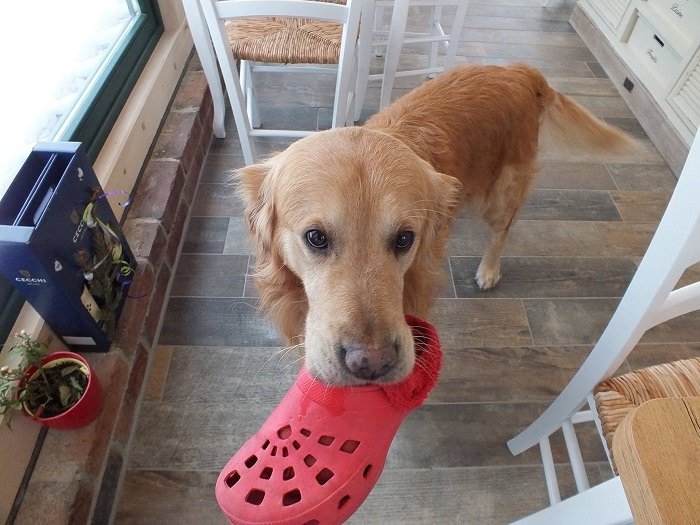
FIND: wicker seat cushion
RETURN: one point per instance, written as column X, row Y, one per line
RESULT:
column 285, row 40
column 617, row 396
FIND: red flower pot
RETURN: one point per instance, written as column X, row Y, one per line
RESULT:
column 88, row 406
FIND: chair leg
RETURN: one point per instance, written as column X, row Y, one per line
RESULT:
column 364, row 45
column 399, row 17
column 435, row 30
column 649, row 300
column 205, row 51
column 604, row 504
column 232, row 82
column 346, row 81
column 455, row 34
column 378, row 15
column 248, row 87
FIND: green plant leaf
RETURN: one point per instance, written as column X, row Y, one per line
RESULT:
column 74, row 383
column 66, row 370
column 66, row 393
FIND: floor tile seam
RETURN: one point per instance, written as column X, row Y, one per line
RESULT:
column 194, row 216
column 572, row 190
column 191, row 403
column 190, row 346
column 216, row 253
column 530, row 298
column 452, row 276
column 516, row 402
column 535, row 10
column 132, row 469
column 552, row 256
column 226, row 297
column 524, row 465
column 534, row 345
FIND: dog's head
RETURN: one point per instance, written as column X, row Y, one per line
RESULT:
column 348, row 227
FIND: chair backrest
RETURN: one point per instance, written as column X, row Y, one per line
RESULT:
column 216, row 13
column 436, row 36
column 651, row 299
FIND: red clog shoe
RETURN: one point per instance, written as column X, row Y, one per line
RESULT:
column 323, row 448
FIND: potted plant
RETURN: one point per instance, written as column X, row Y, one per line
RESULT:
column 107, row 268
column 59, row 390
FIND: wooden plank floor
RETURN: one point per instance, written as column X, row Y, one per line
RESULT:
column 217, row 372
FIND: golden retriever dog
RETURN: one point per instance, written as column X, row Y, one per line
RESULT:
column 349, row 225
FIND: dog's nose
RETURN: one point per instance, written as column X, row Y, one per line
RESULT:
column 369, row 363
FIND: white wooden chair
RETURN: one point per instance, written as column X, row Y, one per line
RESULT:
column 281, row 36
column 396, row 37
column 651, row 299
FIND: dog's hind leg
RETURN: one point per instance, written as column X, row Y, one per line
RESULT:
column 504, row 200
column 489, row 272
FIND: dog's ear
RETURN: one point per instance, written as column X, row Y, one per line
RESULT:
column 254, row 189
column 281, row 292
column 445, row 197
column 424, row 279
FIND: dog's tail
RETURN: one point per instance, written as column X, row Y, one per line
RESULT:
column 568, row 127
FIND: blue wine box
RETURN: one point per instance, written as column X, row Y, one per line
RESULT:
column 48, row 245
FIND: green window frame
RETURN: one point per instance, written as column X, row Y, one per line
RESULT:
column 96, row 116
column 103, row 105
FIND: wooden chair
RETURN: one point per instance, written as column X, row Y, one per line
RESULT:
column 396, row 37
column 280, row 36
column 593, row 395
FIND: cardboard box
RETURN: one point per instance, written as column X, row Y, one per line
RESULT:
column 50, row 244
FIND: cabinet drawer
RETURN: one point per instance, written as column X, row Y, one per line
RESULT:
column 654, row 52
column 683, row 15
column 611, row 11
column 685, row 98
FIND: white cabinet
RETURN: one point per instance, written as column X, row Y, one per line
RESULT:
column 659, row 43
column 685, row 97
column 611, row 11
column 652, row 49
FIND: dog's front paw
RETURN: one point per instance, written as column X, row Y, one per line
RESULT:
column 486, row 279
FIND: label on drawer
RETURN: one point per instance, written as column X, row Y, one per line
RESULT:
column 682, row 15
column 611, row 11
column 653, row 51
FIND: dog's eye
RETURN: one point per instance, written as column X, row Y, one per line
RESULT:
column 317, row 239
column 404, row 240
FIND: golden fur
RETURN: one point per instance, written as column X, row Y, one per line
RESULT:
column 469, row 136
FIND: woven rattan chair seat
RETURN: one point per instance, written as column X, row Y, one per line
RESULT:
column 617, row 396
column 285, row 40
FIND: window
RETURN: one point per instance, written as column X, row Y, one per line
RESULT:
column 69, row 68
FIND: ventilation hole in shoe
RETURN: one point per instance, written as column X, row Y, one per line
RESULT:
column 368, row 469
column 312, row 522
column 255, row 497
column 252, row 460
column 309, row 460
column 305, row 432
column 288, row 474
column 233, row 478
column 273, row 452
column 266, row 473
column 323, row 476
column 350, row 446
column 326, row 441
column 285, row 452
column 284, row 432
column 266, row 444
column 343, row 501
column 292, row 497
column 296, row 445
